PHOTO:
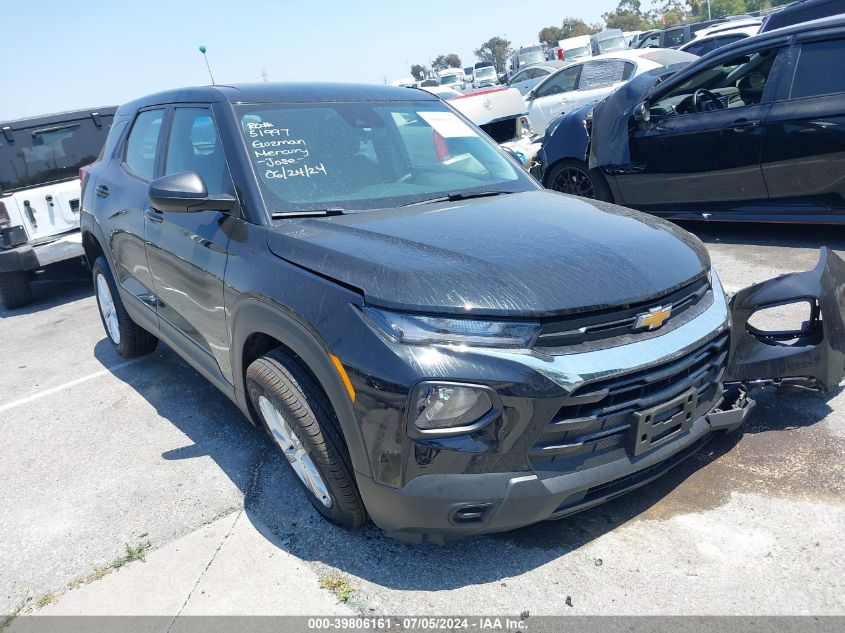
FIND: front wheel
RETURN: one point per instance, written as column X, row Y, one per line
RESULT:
column 575, row 178
column 304, row 427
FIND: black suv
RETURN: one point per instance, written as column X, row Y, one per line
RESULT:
column 430, row 338
column 754, row 130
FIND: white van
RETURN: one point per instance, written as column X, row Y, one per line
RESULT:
column 40, row 159
column 574, row 47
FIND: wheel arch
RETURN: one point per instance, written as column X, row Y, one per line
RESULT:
column 258, row 327
column 92, row 247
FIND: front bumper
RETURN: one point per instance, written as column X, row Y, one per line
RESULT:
column 33, row 257
column 432, row 507
column 570, row 435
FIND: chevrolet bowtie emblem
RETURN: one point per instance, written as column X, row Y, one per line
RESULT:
column 654, row 318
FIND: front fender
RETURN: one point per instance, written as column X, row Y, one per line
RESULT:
column 251, row 316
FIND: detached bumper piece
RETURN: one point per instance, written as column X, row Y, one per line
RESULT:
column 816, row 352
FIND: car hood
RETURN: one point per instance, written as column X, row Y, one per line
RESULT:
column 537, row 253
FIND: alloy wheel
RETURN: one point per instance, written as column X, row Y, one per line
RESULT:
column 108, row 309
column 574, row 181
column 296, row 454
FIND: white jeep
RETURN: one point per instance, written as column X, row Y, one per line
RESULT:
column 40, row 159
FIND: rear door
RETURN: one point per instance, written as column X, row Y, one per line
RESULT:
column 804, row 134
column 551, row 97
column 119, row 198
column 39, row 168
column 188, row 251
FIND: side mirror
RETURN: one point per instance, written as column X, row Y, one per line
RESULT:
column 642, row 113
column 186, row 192
column 531, row 95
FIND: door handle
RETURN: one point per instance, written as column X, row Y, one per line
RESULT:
column 102, row 191
column 743, row 125
column 153, row 215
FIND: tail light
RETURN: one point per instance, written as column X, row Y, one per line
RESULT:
column 5, row 220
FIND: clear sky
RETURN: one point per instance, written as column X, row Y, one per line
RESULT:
column 62, row 54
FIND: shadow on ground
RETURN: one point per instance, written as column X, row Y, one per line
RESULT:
column 278, row 507
column 56, row 285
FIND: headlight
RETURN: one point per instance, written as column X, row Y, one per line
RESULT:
column 418, row 330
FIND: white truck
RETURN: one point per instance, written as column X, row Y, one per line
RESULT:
column 40, row 159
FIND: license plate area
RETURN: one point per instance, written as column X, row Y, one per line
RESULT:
column 663, row 423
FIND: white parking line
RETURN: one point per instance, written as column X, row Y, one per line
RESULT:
column 67, row 385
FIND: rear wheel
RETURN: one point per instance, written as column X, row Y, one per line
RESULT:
column 302, row 423
column 15, row 291
column 575, row 178
column 127, row 338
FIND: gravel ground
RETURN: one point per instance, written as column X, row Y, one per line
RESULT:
column 99, row 452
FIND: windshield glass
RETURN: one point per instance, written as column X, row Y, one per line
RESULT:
column 39, row 155
column 369, row 155
column 612, row 44
column 485, row 72
column 449, row 79
column 534, row 57
column 574, row 53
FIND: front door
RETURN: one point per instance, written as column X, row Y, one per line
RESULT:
column 701, row 151
column 552, row 97
column 188, row 251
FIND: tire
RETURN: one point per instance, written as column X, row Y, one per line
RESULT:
column 126, row 337
column 575, row 178
column 15, row 291
column 300, row 420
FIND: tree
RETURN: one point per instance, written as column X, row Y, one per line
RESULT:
column 628, row 16
column 572, row 27
column 722, row 8
column 496, row 50
column 672, row 12
column 550, row 35
column 442, row 62
column 419, row 72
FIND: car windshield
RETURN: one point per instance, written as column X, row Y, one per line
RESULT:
column 369, row 155
column 612, row 44
column 449, row 79
column 534, row 57
column 32, row 156
column 574, row 53
column 485, row 71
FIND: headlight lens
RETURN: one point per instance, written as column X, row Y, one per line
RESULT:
column 448, row 406
column 418, row 329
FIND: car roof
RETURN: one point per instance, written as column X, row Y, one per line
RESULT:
column 280, row 93
column 58, row 117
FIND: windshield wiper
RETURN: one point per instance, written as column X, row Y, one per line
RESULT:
column 455, row 197
column 307, row 213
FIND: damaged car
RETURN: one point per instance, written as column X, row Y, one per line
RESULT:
column 432, row 340
column 751, row 131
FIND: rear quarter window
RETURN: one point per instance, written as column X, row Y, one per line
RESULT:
column 141, row 144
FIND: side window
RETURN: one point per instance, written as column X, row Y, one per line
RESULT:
column 810, row 80
column 733, row 83
column 673, row 37
column 604, row 73
column 538, row 72
column 651, row 41
column 140, row 151
column 193, row 145
column 564, row 81
column 522, row 75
